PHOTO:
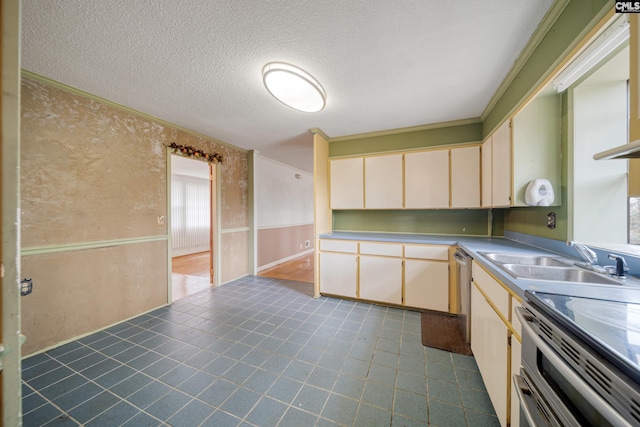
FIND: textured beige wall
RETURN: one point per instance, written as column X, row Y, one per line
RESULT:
column 78, row 292
column 234, row 251
column 278, row 243
column 92, row 172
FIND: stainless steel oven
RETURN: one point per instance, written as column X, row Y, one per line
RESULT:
column 580, row 362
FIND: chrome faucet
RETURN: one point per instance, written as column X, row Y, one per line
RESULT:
column 621, row 266
column 590, row 257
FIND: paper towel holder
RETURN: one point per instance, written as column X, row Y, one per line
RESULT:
column 539, row 192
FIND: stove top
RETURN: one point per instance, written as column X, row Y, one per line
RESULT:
column 611, row 328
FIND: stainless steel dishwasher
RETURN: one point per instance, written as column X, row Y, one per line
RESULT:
column 463, row 279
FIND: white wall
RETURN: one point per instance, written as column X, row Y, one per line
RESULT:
column 282, row 200
column 599, row 187
column 283, row 212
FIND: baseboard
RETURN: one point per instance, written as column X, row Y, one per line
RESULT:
column 280, row 261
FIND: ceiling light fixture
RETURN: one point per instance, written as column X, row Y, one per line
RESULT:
column 294, row 87
column 604, row 44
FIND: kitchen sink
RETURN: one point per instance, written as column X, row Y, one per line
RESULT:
column 525, row 259
column 561, row 274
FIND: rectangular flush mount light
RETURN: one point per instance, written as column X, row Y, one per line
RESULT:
column 602, row 46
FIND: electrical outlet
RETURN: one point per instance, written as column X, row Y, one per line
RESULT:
column 307, row 243
column 551, row 220
column 26, row 287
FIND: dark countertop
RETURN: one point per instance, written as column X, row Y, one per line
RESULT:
column 476, row 246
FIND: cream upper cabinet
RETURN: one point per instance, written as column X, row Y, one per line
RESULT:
column 383, row 182
column 426, row 177
column 524, row 148
column 465, row 177
column 486, row 153
column 501, row 166
column 347, row 183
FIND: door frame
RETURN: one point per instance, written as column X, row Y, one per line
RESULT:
column 214, row 234
column 10, row 354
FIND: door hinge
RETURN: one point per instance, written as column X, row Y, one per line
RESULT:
column 509, row 339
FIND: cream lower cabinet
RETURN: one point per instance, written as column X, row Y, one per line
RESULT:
column 412, row 275
column 339, row 267
column 516, row 363
column 381, row 279
column 489, row 344
column 425, row 284
column 495, row 335
column 339, row 274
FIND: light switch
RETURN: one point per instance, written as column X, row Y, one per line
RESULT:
column 161, row 220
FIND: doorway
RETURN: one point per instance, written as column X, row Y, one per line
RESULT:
column 192, row 220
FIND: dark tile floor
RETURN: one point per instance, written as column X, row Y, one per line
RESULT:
column 256, row 352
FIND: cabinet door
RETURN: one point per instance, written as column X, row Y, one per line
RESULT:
column 338, row 274
column 383, row 182
column 381, row 279
column 516, row 363
column 501, row 166
column 487, row 173
column 347, row 183
column 465, row 177
column 426, row 284
column 490, row 348
column 426, row 177
column 516, row 352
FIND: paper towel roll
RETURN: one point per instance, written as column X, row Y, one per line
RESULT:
column 539, row 192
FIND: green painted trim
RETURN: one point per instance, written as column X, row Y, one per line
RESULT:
column 397, row 131
column 168, row 219
column 432, row 137
column 456, row 222
column 251, row 208
column 574, row 23
column 542, row 30
column 317, row 131
column 79, row 92
column 50, row 249
column 234, row 230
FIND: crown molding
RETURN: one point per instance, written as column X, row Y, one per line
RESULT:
column 407, row 129
column 319, row 131
column 37, row 77
column 543, row 28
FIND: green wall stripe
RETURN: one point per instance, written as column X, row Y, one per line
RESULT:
column 575, row 21
column 456, row 134
column 460, row 222
column 50, row 249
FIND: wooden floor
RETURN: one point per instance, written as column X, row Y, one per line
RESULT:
column 193, row 265
column 190, row 274
column 299, row 269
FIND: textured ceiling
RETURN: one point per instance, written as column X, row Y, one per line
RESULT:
column 384, row 64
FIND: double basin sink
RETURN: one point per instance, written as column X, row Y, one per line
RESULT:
column 548, row 268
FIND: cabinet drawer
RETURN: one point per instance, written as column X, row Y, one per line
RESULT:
column 440, row 253
column 498, row 295
column 381, row 249
column 345, row 246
